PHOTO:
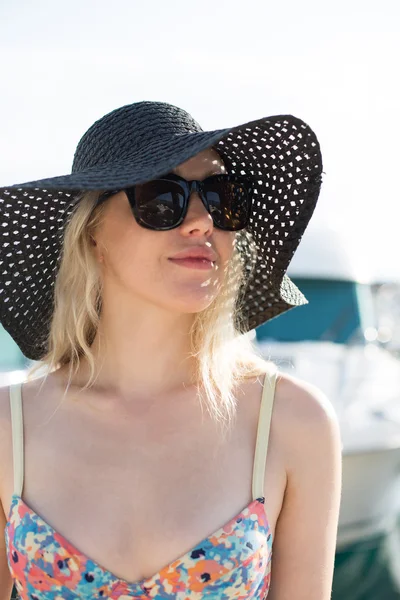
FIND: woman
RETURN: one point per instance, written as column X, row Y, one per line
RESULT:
column 135, row 290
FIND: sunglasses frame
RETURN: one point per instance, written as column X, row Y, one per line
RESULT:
column 188, row 188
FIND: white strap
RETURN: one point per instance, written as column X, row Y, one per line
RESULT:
column 264, row 424
column 17, row 431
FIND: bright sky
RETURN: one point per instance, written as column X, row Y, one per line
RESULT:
column 335, row 65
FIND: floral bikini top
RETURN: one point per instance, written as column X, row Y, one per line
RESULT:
column 234, row 562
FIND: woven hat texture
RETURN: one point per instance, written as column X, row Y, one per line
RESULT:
column 139, row 142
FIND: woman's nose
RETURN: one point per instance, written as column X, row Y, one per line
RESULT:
column 197, row 216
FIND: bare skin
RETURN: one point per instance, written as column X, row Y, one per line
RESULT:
column 123, row 466
column 119, row 454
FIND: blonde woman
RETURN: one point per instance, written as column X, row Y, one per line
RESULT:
column 156, row 453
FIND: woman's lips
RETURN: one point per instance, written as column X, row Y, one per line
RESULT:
column 193, row 263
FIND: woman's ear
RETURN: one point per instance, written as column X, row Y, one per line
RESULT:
column 97, row 251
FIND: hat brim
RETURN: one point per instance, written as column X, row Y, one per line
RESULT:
column 281, row 154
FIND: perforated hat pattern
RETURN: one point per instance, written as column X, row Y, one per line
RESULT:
column 137, row 143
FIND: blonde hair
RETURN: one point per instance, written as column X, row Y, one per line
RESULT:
column 223, row 355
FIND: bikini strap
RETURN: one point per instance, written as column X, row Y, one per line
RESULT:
column 264, row 423
column 17, row 432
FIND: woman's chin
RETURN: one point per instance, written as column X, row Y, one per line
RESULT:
column 189, row 303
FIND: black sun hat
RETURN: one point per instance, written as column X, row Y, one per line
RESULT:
column 134, row 144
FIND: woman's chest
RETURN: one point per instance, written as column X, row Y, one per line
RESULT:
column 135, row 497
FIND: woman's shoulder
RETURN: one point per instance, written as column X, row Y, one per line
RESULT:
column 32, row 389
column 300, row 408
column 298, row 401
column 306, row 420
column 303, row 401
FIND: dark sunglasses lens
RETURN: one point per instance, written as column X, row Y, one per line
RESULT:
column 159, row 203
column 229, row 203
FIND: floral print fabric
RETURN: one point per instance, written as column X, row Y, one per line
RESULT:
column 232, row 563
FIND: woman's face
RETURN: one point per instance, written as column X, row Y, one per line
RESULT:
column 137, row 261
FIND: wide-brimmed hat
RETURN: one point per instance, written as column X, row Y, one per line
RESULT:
column 134, row 144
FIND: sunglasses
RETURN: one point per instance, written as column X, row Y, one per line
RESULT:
column 162, row 204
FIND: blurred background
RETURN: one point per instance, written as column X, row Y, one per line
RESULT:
column 335, row 65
